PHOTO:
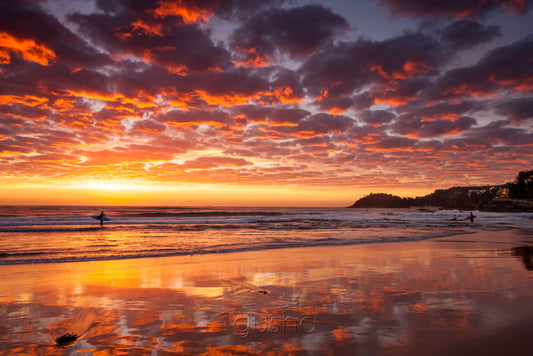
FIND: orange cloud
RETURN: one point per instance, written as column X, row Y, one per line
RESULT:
column 28, row 100
column 28, row 49
column 409, row 70
column 471, row 90
column 64, row 104
column 4, row 57
column 286, row 95
column 187, row 101
column 188, row 13
column 515, row 5
column 77, row 122
column 336, row 111
column 227, row 100
column 143, row 100
column 393, row 101
column 390, row 96
column 524, row 83
column 111, row 124
column 192, row 124
column 142, row 26
column 255, row 60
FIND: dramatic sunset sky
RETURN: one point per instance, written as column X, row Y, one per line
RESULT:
column 215, row 102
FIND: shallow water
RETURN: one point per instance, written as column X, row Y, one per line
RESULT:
column 47, row 234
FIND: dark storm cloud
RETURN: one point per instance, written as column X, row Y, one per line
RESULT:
column 196, row 89
column 419, row 128
column 194, row 118
column 394, row 143
column 464, row 34
column 444, row 109
column 422, row 119
column 350, row 66
column 446, row 8
column 509, row 67
column 297, row 31
column 285, row 78
column 461, row 145
column 275, row 115
column 145, row 9
column 363, row 100
column 229, row 9
column 68, row 49
column 325, row 123
column 221, row 8
column 400, row 93
column 499, row 132
column 176, row 45
column 516, row 110
column 230, row 82
column 376, row 117
column 339, row 104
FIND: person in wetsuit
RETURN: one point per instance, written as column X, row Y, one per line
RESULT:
column 101, row 217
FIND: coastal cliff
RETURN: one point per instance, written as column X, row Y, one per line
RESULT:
column 512, row 196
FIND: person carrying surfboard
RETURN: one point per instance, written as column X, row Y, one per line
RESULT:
column 101, row 216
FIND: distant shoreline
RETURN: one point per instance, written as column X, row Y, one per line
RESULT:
column 514, row 196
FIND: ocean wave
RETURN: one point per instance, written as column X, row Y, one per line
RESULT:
column 237, row 222
column 197, row 214
column 158, row 232
column 20, row 254
column 48, row 229
column 223, row 249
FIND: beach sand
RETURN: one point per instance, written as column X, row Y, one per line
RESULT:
column 469, row 294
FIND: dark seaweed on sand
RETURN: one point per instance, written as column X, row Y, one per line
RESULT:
column 66, row 339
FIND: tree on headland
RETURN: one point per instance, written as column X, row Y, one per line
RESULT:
column 522, row 188
column 382, row 200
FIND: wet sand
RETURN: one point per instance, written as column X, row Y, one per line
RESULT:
column 468, row 294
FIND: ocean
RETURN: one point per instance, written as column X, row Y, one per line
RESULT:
column 55, row 234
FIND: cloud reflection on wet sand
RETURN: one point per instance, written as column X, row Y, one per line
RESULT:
column 397, row 298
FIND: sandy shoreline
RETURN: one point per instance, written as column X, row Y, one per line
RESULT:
column 467, row 294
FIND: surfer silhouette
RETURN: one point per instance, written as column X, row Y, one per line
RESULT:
column 101, row 216
column 471, row 217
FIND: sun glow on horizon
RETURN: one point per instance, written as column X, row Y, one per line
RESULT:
column 114, row 193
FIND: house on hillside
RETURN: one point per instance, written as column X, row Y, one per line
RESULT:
column 502, row 192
